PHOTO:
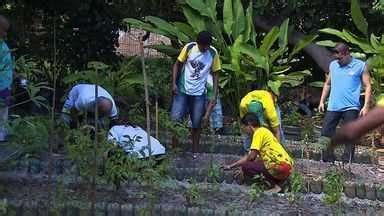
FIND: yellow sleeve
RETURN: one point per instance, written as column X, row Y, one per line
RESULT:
column 183, row 54
column 216, row 65
column 257, row 139
column 270, row 112
column 381, row 102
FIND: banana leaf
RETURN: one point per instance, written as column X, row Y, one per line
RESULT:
column 358, row 17
column 194, row 19
column 238, row 14
column 269, row 40
column 228, row 18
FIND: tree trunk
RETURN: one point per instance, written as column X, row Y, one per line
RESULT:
column 319, row 54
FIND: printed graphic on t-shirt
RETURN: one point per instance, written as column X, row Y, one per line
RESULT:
column 197, row 66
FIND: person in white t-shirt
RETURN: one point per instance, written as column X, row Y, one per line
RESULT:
column 189, row 77
column 81, row 101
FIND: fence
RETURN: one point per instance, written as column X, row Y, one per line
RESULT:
column 130, row 46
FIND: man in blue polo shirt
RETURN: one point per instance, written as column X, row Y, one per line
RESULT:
column 6, row 76
column 346, row 74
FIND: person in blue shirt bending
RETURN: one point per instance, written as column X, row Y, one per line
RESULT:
column 343, row 82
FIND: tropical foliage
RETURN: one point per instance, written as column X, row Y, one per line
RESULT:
column 367, row 45
column 245, row 63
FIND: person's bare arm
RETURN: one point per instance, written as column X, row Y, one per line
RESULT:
column 249, row 157
column 210, row 107
column 215, row 76
column 366, row 79
column 325, row 92
column 354, row 130
column 175, row 72
column 276, row 132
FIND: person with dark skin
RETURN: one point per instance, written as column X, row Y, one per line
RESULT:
column 189, row 76
column 81, row 100
column 343, row 83
column 266, row 155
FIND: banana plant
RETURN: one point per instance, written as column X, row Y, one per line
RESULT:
column 244, row 61
column 369, row 46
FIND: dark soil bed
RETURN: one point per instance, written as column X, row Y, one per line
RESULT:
column 217, row 197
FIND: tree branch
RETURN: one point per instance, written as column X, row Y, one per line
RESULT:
column 319, row 54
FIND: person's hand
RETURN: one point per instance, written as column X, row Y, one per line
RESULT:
column 205, row 120
column 239, row 175
column 174, row 89
column 226, row 167
column 364, row 111
column 321, row 107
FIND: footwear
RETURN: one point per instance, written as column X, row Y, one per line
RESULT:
column 194, row 156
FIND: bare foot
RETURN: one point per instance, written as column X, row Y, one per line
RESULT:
column 275, row 189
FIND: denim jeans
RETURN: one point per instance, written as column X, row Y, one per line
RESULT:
column 182, row 104
column 330, row 123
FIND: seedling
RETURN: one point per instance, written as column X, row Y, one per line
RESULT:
column 333, row 187
column 296, row 185
column 192, row 194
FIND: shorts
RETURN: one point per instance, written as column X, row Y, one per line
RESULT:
column 183, row 103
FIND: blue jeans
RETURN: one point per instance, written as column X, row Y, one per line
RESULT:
column 216, row 116
column 3, row 123
column 183, row 103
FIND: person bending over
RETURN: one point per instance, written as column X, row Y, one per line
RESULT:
column 266, row 155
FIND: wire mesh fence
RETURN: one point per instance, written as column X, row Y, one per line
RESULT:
column 130, row 46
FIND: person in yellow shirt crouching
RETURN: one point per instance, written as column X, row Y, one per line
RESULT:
column 266, row 155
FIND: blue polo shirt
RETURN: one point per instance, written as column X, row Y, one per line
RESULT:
column 345, row 85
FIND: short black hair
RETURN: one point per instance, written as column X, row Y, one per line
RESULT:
column 204, row 38
column 250, row 119
column 341, row 47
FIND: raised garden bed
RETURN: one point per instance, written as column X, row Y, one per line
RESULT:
column 299, row 149
column 27, row 196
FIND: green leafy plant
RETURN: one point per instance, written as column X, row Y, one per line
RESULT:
column 296, row 186
column 3, row 206
column 292, row 119
column 257, row 188
column 81, row 149
column 179, row 129
column 29, row 135
column 192, row 194
column 244, row 61
column 381, row 188
column 333, row 187
column 122, row 166
column 214, row 173
column 307, row 132
column 370, row 47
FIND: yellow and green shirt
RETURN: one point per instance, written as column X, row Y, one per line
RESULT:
column 381, row 102
column 269, row 148
column 197, row 66
column 265, row 98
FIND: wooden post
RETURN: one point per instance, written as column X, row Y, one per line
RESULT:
column 51, row 137
column 157, row 118
column 96, row 142
column 148, row 117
